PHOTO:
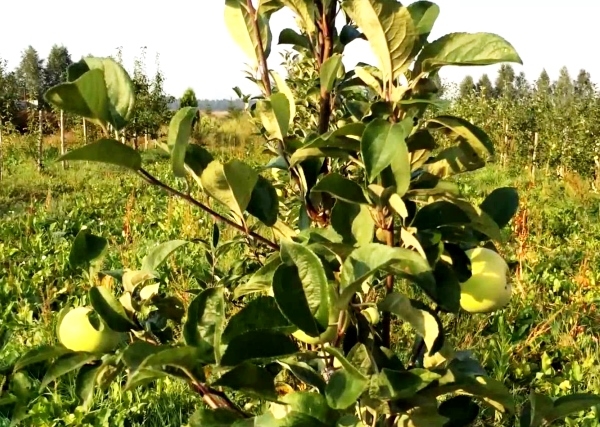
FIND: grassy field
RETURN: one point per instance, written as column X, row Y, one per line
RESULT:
column 546, row 339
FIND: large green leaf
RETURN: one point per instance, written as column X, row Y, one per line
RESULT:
column 231, row 183
column 394, row 385
column 289, row 36
column 106, row 151
column 465, row 49
column 542, row 410
column 501, row 205
column 353, row 222
column 329, row 72
column 367, row 259
column 260, row 314
column 264, row 202
column 466, row 132
column 274, row 114
column 110, row 309
column 64, row 365
column 39, row 354
column 249, row 379
column 261, row 280
column 344, row 389
column 389, row 29
column 87, row 248
column 206, row 320
column 301, row 289
column 306, row 11
column 258, row 346
column 381, row 143
column 85, row 383
column 159, row 254
column 454, row 160
column 425, row 321
column 240, row 24
column 304, row 372
column 283, row 87
column 424, row 14
column 220, row 417
column 341, row 188
column 180, row 130
column 185, row 358
column 86, row 97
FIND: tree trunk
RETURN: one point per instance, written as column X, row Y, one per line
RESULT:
column 40, row 139
column 84, row 132
column 146, row 141
column 1, row 127
column 534, row 156
column 135, row 140
column 62, row 137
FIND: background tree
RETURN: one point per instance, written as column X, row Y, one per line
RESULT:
column 484, row 86
column 57, row 63
column 32, row 76
column 505, row 81
column 188, row 99
column 9, row 92
column 467, row 87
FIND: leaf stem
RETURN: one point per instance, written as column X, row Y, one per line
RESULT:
column 259, row 49
column 155, row 181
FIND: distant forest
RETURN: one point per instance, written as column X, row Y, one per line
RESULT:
column 214, row 104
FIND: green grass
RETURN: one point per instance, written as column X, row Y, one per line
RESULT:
column 545, row 340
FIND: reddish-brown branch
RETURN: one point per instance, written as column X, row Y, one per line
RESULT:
column 260, row 52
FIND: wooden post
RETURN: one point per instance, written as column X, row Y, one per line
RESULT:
column 1, row 127
column 40, row 139
column 146, row 141
column 534, row 156
column 84, row 131
column 62, row 137
column 505, row 150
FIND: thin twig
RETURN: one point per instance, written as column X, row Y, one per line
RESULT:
column 262, row 59
column 154, row 181
column 389, row 288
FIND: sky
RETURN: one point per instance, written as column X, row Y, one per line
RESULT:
column 194, row 48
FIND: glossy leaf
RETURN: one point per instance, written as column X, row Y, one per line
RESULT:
column 109, row 309
column 264, row 202
column 344, row 389
column 306, row 11
column 460, row 411
column 249, row 379
column 424, row 14
column 39, row 354
column 85, row 383
column 106, row 151
column 304, row 373
column 64, row 365
column 389, row 29
column 231, row 183
column 240, row 24
column 466, row 49
column 159, row 254
column 87, row 248
column 418, row 316
column 341, row 188
column 206, row 320
column 381, row 143
column 185, row 358
column 329, row 72
column 180, row 130
column 220, row 417
column 395, row 385
column 289, row 36
column 258, row 346
column 501, row 205
column 260, row 314
column 261, row 280
column 283, row 87
column 541, row 410
column 275, row 115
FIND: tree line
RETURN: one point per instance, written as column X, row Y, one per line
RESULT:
column 554, row 125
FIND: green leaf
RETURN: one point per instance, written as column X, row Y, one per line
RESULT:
column 143, row 377
column 260, row 314
column 438, row 214
column 383, row 142
column 367, row 259
column 135, row 354
column 344, row 389
column 197, row 158
column 310, row 404
column 353, row 222
column 349, row 421
column 304, row 373
column 185, row 358
column 501, row 205
column 453, row 161
column 301, row 289
column 329, row 72
column 85, row 383
column 283, row 87
column 249, row 379
column 106, row 151
column 389, row 29
column 231, row 183
column 274, row 114
column 469, row 136
column 398, row 174
column 264, row 203
column 109, row 309
column 542, row 410
column 317, row 152
column 258, row 346
column 425, row 322
column 460, row 410
column 159, row 254
column 346, row 364
column 219, row 417
column 180, row 130
column 64, row 365
column 465, row 49
column 289, row 36
column 206, row 320
column 341, row 188
column 261, row 280
column 424, row 14
column 240, row 24
column 370, row 80
column 395, row 385
column 306, row 11
column 39, row 354
column 85, row 97
column 119, row 89
column 87, row 249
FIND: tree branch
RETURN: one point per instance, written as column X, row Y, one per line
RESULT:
column 260, row 51
column 389, row 288
column 154, row 181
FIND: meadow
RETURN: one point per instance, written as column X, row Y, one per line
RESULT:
column 546, row 339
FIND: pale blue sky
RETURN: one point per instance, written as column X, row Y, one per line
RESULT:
column 195, row 48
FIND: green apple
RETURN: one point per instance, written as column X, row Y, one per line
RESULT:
column 487, row 289
column 77, row 333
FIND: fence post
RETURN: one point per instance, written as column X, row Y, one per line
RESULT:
column 40, row 139
column 62, row 138
column 534, row 156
